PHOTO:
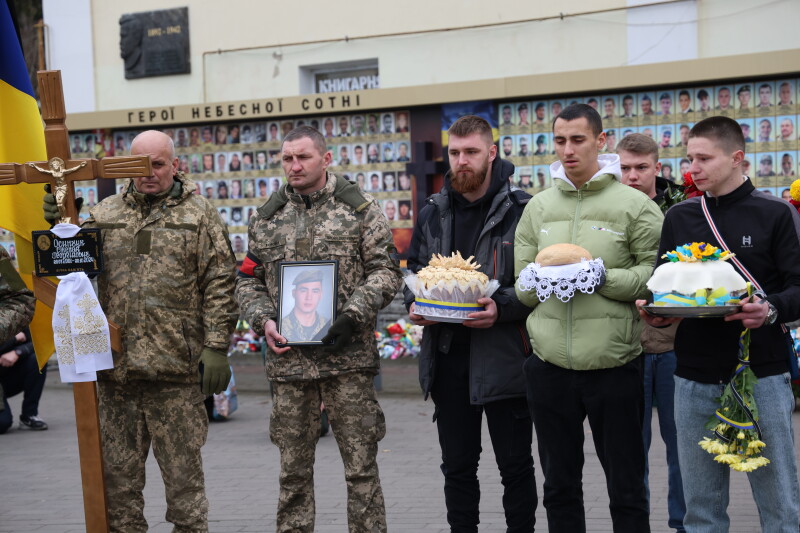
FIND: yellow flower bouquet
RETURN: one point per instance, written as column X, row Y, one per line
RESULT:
column 737, row 435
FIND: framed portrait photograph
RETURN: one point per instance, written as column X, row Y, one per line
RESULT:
column 306, row 300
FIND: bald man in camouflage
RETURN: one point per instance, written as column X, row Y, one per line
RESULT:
column 319, row 216
column 168, row 283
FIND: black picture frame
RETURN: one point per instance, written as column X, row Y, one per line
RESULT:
column 323, row 273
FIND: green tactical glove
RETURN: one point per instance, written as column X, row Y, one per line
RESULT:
column 216, row 371
column 51, row 214
column 340, row 334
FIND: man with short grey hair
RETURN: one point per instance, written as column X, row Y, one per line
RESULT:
column 319, row 216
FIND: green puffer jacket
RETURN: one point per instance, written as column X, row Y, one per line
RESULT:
column 168, row 281
column 614, row 222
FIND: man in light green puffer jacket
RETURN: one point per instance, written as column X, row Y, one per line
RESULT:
column 587, row 350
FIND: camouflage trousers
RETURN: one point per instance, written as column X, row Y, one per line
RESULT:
column 171, row 417
column 358, row 424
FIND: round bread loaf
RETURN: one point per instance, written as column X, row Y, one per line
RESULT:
column 562, row 254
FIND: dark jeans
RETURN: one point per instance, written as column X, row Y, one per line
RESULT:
column 459, row 425
column 22, row 377
column 560, row 400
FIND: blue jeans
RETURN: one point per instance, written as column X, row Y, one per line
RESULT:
column 659, row 371
column 706, row 482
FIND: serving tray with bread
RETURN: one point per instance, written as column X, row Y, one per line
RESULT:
column 562, row 270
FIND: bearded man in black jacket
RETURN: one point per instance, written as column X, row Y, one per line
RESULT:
column 476, row 367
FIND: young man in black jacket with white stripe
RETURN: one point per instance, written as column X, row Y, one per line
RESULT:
column 764, row 233
column 476, row 367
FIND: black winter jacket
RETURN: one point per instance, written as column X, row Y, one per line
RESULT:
column 496, row 353
column 764, row 233
column 24, row 349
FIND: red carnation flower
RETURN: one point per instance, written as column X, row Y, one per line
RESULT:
column 689, row 188
column 395, row 329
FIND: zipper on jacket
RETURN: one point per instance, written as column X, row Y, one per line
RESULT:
column 634, row 317
column 523, row 334
column 568, row 331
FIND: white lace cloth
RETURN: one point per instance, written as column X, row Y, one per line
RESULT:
column 562, row 280
column 80, row 328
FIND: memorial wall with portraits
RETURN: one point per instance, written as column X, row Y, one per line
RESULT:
column 237, row 165
column 766, row 110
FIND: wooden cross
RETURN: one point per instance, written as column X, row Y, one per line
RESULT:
column 61, row 172
column 424, row 167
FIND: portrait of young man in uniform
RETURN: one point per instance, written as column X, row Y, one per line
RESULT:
column 305, row 321
column 743, row 94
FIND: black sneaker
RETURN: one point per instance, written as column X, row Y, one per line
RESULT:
column 32, row 422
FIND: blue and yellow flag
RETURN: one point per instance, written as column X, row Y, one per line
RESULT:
column 22, row 140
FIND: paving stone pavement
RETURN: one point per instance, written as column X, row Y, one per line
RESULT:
column 40, row 476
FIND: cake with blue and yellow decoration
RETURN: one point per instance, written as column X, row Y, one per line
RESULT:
column 696, row 275
column 448, row 288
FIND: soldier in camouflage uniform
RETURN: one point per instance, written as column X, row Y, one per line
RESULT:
column 16, row 301
column 168, row 283
column 318, row 216
column 303, row 322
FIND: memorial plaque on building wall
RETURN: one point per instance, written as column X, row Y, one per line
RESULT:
column 155, row 43
column 58, row 256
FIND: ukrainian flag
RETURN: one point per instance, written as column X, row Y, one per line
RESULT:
column 22, row 140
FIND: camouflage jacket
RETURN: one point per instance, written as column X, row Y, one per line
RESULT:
column 337, row 222
column 291, row 328
column 16, row 301
column 168, row 281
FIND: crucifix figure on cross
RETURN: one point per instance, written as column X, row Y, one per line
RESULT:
column 58, row 171
column 61, row 174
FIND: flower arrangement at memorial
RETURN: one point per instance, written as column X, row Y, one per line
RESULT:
column 737, row 435
column 403, row 339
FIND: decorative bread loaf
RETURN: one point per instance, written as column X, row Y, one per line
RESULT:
column 562, row 254
column 455, row 267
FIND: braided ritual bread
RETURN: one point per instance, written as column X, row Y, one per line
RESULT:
column 449, row 287
column 441, row 269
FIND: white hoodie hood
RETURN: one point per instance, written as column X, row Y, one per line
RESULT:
column 609, row 164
